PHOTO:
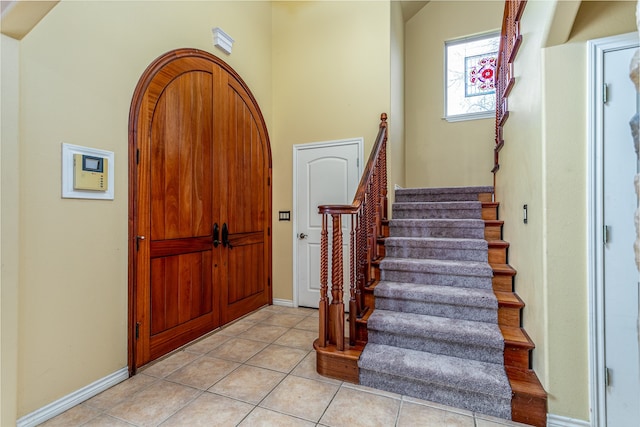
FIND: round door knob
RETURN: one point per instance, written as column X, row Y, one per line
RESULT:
column 302, row 236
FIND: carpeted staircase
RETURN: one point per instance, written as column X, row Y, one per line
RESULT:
column 434, row 332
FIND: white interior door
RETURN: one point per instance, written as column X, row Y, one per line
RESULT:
column 325, row 173
column 621, row 277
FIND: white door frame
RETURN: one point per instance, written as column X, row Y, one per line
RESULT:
column 595, row 221
column 297, row 148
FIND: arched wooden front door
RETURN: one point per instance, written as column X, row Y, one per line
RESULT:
column 199, row 203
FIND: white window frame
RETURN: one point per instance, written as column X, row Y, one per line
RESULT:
column 465, row 116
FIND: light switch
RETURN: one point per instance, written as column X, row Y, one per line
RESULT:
column 284, row 216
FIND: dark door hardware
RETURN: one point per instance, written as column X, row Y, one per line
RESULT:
column 225, row 236
column 216, row 235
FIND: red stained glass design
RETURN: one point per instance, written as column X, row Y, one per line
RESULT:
column 481, row 74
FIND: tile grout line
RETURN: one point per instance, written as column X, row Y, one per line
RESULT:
column 302, row 374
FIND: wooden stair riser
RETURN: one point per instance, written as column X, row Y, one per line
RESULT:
column 517, row 347
column 490, row 210
column 529, row 401
column 362, row 334
column 502, row 283
column 516, row 357
column 502, row 277
column 498, row 251
column 509, row 309
column 380, row 250
column 485, row 197
column 509, row 316
column 493, row 230
column 385, row 228
column 529, row 409
column 369, row 299
column 375, row 270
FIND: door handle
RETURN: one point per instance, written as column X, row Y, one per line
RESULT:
column 302, row 236
column 225, row 236
column 138, row 239
column 216, row 235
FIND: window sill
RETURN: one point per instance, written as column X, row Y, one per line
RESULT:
column 471, row 116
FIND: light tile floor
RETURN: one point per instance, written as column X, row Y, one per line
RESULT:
column 258, row 371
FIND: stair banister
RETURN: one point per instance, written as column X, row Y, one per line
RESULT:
column 367, row 213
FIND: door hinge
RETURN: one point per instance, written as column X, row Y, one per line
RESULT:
column 358, row 162
column 268, row 282
column 606, row 231
column 268, row 181
column 137, row 156
column 137, row 330
column 607, row 377
column 268, row 231
column 605, row 93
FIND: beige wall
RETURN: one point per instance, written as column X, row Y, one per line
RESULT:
column 396, row 142
column 439, row 153
column 9, row 221
column 543, row 164
column 78, row 71
column 331, row 80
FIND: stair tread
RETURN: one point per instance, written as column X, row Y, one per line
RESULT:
column 453, row 372
column 508, row 299
column 442, row 222
column 503, row 269
column 474, row 297
column 516, row 336
column 436, row 328
column 525, row 382
column 497, row 244
column 438, row 205
column 470, row 268
column 365, row 319
column 440, row 242
column 440, row 190
column 352, row 352
column 371, row 286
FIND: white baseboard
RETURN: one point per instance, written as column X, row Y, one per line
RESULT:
column 283, row 302
column 560, row 421
column 69, row 401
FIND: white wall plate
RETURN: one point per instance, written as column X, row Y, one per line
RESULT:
column 68, row 192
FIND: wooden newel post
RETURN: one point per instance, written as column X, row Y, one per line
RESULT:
column 323, row 307
column 367, row 213
column 336, row 309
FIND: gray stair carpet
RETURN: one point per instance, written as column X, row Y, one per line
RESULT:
column 436, row 248
column 445, row 194
column 434, row 332
column 450, row 228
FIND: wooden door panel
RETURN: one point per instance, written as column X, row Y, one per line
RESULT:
column 246, row 167
column 181, row 140
column 181, row 290
column 248, row 280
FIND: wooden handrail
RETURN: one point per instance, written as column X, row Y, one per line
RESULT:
column 510, row 41
column 367, row 213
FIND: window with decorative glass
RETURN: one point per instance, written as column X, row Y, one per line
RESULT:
column 470, row 67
